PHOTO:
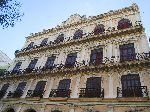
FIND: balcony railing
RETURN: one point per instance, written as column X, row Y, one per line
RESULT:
column 60, row 93
column 34, row 93
column 134, row 91
column 15, row 94
column 91, row 92
column 2, row 94
column 143, row 57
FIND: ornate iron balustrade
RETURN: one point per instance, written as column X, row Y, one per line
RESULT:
column 60, row 93
column 2, row 94
column 34, row 93
column 134, row 91
column 91, row 92
column 138, row 57
column 51, row 44
column 15, row 94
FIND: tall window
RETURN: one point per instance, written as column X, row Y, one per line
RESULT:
column 44, row 41
column 17, row 67
column 30, row 46
column 50, row 62
column 124, row 23
column 99, row 29
column 19, row 90
column 78, row 34
column 39, row 89
column 60, row 38
column 32, row 64
column 96, row 56
column 127, row 52
column 131, row 85
column 4, row 90
column 71, row 59
column 93, row 87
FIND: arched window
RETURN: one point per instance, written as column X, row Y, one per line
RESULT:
column 78, row 34
column 44, row 42
column 30, row 46
column 99, row 29
column 60, row 38
column 124, row 23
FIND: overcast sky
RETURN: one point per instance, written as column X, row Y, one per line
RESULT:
column 45, row 14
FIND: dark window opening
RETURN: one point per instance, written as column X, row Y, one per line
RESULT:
column 62, row 90
column 3, row 90
column 30, row 46
column 39, row 89
column 44, row 42
column 56, row 111
column 71, row 59
column 78, row 34
column 124, row 23
column 32, row 64
column 131, row 85
column 17, row 67
column 96, row 57
column 10, row 110
column 59, row 39
column 127, row 52
column 19, row 90
column 93, row 88
column 99, row 29
column 50, row 62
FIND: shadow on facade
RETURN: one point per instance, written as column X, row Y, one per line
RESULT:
column 9, row 110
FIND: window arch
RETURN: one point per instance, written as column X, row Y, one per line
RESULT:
column 78, row 34
column 60, row 38
column 99, row 29
column 124, row 23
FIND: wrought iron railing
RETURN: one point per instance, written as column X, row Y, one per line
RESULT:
column 15, row 94
column 91, row 92
column 60, row 93
column 2, row 94
column 34, row 93
column 134, row 91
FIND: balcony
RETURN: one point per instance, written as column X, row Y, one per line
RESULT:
column 34, row 93
column 15, row 94
column 87, row 37
column 60, row 93
column 134, row 91
column 2, row 94
column 91, row 92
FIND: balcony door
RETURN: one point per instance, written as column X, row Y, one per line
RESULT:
column 63, row 88
column 19, row 90
column 3, row 90
column 93, row 87
column 131, row 86
column 50, row 62
column 71, row 59
column 96, row 56
column 39, row 89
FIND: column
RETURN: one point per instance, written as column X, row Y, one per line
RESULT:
column 76, row 89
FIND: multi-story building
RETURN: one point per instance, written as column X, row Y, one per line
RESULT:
column 95, row 64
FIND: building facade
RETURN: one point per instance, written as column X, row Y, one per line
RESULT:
column 95, row 64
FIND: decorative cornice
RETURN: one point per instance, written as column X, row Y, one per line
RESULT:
column 76, row 19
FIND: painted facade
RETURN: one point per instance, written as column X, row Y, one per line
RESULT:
column 95, row 64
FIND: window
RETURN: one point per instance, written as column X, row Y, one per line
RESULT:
column 62, row 90
column 56, row 111
column 78, row 34
column 60, row 38
column 50, row 62
column 93, row 87
column 71, row 59
column 96, row 56
column 39, row 89
column 99, row 29
column 3, row 90
column 44, row 41
column 127, row 52
column 19, row 90
column 30, row 46
column 32, row 64
column 131, row 85
column 16, row 68
column 124, row 23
